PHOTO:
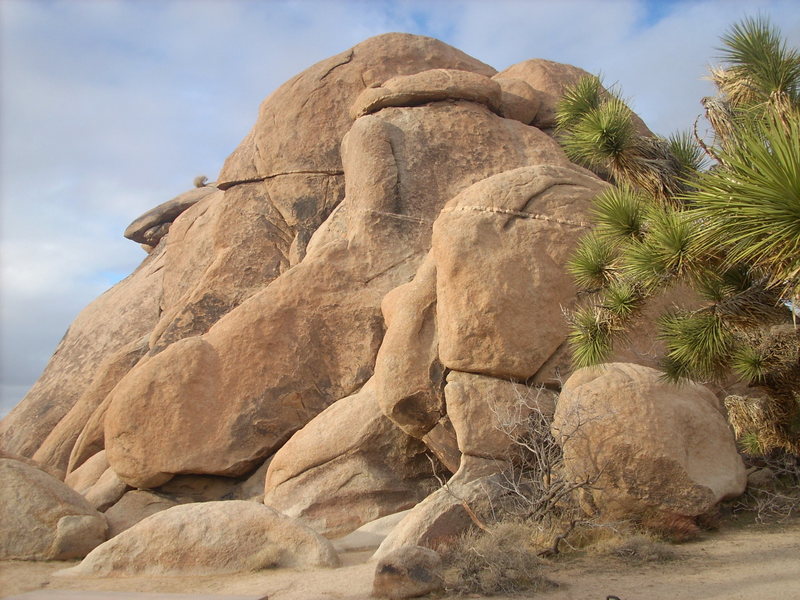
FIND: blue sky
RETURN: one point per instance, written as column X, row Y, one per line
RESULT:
column 110, row 107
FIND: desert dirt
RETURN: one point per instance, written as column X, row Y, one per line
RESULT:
column 735, row 562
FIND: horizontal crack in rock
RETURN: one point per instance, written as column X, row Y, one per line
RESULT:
column 226, row 185
column 514, row 213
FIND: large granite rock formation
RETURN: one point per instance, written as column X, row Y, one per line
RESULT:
column 647, row 446
column 43, row 519
column 208, row 539
column 382, row 252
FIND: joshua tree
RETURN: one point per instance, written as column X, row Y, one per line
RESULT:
column 732, row 231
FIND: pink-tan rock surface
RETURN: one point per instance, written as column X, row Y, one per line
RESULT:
column 118, row 317
column 518, row 100
column 310, row 337
column 442, row 516
column 85, row 476
column 509, row 329
column 319, row 94
column 377, row 272
column 41, row 518
column 409, row 378
column 58, row 447
column 489, row 415
column 434, row 85
column 230, row 398
column 348, row 466
column 147, row 229
column 209, row 538
column 107, row 490
column 646, row 444
column 549, row 80
column 135, row 506
column 219, row 252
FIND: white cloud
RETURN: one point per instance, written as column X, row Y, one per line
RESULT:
column 111, row 107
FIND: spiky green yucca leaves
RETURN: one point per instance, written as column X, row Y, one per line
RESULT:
column 750, row 207
column 596, row 129
column 760, row 64
column 593, row 264
column 577, row 101
column 604, row 138
column 591, row 336
column 697, row 343
column 620, row 214
column 687, row 154
column 668, row 252
column 731, row 233
column 621, row 300
column 750, row 363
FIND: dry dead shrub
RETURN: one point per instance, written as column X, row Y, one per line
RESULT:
column 778, row 499
column 641, row 548
column 200, row 181
column 502, row 560
column 535, row 481
column 761, row 424
column 670, row 526
column 591, row 535
column 769, row 506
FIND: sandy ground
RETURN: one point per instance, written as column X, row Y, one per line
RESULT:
column 731, row 564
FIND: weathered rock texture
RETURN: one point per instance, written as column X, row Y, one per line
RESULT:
column 442, row 516
column 348, row 466
column 58, row 447
column 508, row 329
column 549, row 80
column 429, row 86
column 136, row 506
column 97, row 482
column 382, row 253
column 207, row 539
column 489, row 415
column 43, row 519
column 408, row 572
column 154, row 224
column 645, row 444
column 118, row 317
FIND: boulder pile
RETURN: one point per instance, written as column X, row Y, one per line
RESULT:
column 337, row 324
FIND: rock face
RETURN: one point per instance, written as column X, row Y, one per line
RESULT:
column 74, row 430
column 97, row 482
column 348, row 466
column 508, row 329
column 488, row 415
column 121, row 315
column 207, row 539
column 408, row 572
column 85, row 476
column 154, row 224
column 43, row 519
column 442, row 517
column 276, row 145
column 434, row 85
column 381, row 256
column 259, row 375
column 549, row 79
column 648, row 445
column 409, row 378
column 311, row 336
column 136, row 506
